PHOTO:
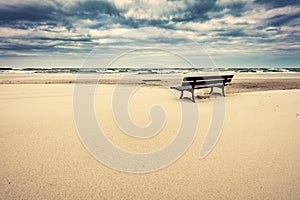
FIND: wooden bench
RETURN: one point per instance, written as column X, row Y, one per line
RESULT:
column 199, row 82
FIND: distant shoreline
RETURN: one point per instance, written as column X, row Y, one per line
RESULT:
column 242, row 82
column 146, row 70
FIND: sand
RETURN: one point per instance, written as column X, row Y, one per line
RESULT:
column 256, row 157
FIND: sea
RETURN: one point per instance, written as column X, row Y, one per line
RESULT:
column 142, row 71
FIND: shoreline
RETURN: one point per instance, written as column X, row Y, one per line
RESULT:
column 241, row 82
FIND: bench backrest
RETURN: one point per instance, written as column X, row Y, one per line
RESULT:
column 206, row 80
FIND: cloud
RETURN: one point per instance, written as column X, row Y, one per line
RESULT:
column 277, row 3
column 233, row 33
column 165, row 10
column 92, row 9
column 76, row 26
column 27, row 13
column 280, row 20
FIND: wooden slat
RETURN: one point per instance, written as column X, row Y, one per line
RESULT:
column 180, row 88
column 203, row 82
column 196, row 78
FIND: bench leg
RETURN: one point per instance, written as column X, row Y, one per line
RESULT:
column 223, row 91
column 193, row 96
column 211, row 90
column 181, row 94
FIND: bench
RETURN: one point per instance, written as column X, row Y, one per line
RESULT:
column 200, row 82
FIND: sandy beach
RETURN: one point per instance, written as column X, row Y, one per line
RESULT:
column 126, row 100
column 256, row 157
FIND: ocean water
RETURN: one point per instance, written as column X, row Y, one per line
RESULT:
column 143, row 71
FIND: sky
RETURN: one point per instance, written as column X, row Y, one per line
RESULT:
column 223, row 33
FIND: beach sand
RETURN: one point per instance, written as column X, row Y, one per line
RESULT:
column 256, row 157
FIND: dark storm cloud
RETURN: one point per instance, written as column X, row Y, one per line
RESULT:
column 29, row 12
column 41, row 47
column 198, row 11
column 63, row 39
column 236, row 9
column 92, row 10
column 232, row 33
column 278, row 3
column 139, row 23
column 280, row 20
column 24, row 47
column 30, row 16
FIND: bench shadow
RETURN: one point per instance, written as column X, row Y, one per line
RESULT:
column 208, row 96
column 202, row 97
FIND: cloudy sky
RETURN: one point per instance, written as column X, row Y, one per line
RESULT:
column 234, row 33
